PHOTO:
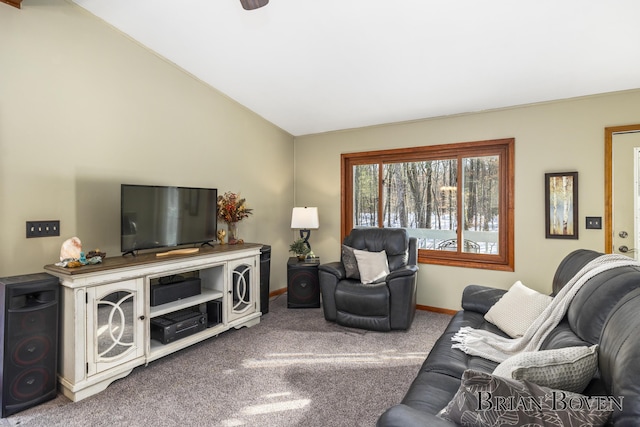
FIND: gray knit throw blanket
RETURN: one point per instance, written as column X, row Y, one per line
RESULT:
column 494, row 347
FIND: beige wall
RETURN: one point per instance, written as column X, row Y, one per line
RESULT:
column 552, row 137
column 83, row 109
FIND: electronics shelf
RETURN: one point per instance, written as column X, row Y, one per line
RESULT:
column 158, row 350
column 206, row 295
column 107, row 317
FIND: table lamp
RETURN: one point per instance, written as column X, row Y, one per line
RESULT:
column 305, row 218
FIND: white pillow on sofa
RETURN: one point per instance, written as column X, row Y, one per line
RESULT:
column 569, row 368
column 373, row 266
column 517, row 309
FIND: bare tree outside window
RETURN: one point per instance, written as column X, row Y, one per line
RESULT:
column 423, row 197
column 452, row 201
column 365, row 195
column 481, row 214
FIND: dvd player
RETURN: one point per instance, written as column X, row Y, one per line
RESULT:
column 176, row 325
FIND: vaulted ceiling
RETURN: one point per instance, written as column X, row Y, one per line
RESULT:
column 311, row 66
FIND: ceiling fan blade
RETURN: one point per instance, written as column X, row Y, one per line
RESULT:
column 253, row 4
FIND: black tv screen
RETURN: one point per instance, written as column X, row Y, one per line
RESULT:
column 161, row 216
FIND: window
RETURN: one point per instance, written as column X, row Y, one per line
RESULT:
column 456, row 199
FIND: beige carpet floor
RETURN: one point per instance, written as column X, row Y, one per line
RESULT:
column 293, row 369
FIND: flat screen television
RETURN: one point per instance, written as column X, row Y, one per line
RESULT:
column 161, row 216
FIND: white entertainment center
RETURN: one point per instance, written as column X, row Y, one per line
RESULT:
column 106, row 313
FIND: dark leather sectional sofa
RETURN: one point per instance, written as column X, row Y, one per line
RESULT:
column 605, row 311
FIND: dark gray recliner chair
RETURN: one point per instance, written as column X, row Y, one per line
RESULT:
column 383, row 306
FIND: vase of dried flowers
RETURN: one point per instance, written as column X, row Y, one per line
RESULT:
column 232, row 209
column 232, row 233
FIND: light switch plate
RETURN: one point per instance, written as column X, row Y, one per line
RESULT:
column 43, row 228
column 594, row 222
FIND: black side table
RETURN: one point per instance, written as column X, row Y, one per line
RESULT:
column 303, row 285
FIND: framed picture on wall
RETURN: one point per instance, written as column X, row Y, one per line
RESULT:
column 561, row 205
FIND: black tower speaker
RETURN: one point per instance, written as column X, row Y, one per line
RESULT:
column 29, row 337
column 303, row 288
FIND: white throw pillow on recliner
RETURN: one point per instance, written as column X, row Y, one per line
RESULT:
column 373, row 266
column 517, row 309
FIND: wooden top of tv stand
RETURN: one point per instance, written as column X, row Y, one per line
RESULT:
column 110, row 263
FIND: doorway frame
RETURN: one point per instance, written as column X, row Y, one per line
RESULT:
column 608, row 180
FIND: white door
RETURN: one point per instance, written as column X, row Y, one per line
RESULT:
column 625, row 194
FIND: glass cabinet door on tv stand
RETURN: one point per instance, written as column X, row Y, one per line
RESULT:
column 243, row 288
column 115, row 325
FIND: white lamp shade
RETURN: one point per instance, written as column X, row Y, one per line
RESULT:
column 305, row 218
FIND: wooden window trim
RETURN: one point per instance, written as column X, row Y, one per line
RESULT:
column 503, row 147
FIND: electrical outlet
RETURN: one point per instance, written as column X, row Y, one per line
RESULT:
column 594, row 222
column 43, row 228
